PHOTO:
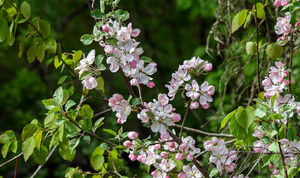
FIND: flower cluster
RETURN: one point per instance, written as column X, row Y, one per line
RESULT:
column 89, row 81
column 182, row 75
column 220, row 155
column 120, row 106
column 279, row 3
column 161, row 113
column 188, row 148
column 125, row 53
column 190, row 172
column 203, row 93
column 289, row 149
column 275, row 82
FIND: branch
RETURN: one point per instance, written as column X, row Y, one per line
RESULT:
column 40, row 166
column 8, row 161
column 203, row 132
column 102, row 112
column 282, row 158
column 184, row 118
column 257, row 40
column 130, row 89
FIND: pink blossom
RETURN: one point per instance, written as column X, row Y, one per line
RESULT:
column 127, row 144
column 230, row 167
column 258, row 134
column 132, row 157
column 271, row 166
column 283, row 25
column 157, row 146
column 90, row 83
column 132, row 135
column 189, row 157
column 154, row 173
column 150, row 84
column 179, row 156
column 109, row 49
column 207, row 67
column 275, row 172
column 176, row 117
column 192, row 90
column 194, row 105
column 164, row 154
column 181, row 175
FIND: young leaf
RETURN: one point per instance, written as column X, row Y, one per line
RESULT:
column 274, row 51
column 5, row 149
column 58, row 95
column 69, row 104
column 29, row 130
column 86, row 39
column 260, row 10
column 7, row 136
column 14, row 146
column 26, row 10
column 3, row 30
column 96, row 14
column 51, row 46
column 27, row 147
column 239, row 20
column 97, row 162
column 245, row 117
column 225, row 120
column 40, row 155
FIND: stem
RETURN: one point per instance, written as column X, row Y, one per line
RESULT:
column 194, row 161
column 291, row 63
column 257, row 52
column 282, row 159
column 73, row 72
column 130, row 89
column 103, row 112
column 140, row 93
column 40, row 166
column 184, row 118
column 15, row 174
column 31, row 24
column 8, row 161
column 203, row 132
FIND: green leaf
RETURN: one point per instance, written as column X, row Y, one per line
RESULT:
column 26, row 10
column 260, row 10
column 251, row 48
column 292, row 133
column 96, row 14
column 245, row 117
column 102, row 6
column 274, row 147
column 70, row 172
column 3, row 30
column 110, row 132
column 274, row 51
column 121, row 15
column 45, row 28
column 7, row 136
column 248, row 19
column 146, row 59
column 40, row 155
column 135, row 102
column 14, row 146
column 260, row 111
column 40, row 51
column 225, row 120
column 239, row 20
column 51, row 46
column 97, row 162
column 29, row 130
column 86, row 112
column 100, row 85
column 69, row 104
column 38, row 139
column 98, row 123
column 236, row 130
column 5, row 149
column 28, row 147
column 213, row 172
column 59, row 95
column 87, row 39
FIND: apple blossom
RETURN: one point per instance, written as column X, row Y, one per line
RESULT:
column 132, row 135
column 90, row 83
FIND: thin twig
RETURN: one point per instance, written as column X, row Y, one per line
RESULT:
column 204, row 133
column 15, row 174
column 10, row 160
column 291, row 64
column 127, row 84
column 102, row 112
column 184, row 118
column 257, row 48
column 40, row 166
column 282, row 159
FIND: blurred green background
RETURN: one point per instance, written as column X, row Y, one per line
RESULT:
column 171, row 31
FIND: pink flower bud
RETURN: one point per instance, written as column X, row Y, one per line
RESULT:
column 280, row 80
column 132, row 135
column 189, row 157
column 90, row 83
column 183, row 146
column 176, row 117
column 134, row 82
column 132, row 157
column 207, row 67
column 135, row 32
column 118, row 97
column 150, row 84
column 271, row 166
column 157, row 146
column 119, row 121
column 297, row 24
column 111, row 102
column 133, row 64
column 127, row 143
column 194, row 105
column 105, row 28
column 277, row 3
column 287, row 82
column 102, row 44
column 179, row 156
column 109, row 49
column 164, row 154
column 205, row 106
column 181, row 175
column 171, row 144
column 284, row 3
column 140, row 158
column 275, row 172
column 154, row 173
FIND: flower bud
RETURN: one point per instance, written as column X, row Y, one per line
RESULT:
column 105, row 28
column 164, row 154
column 194, row 105
column 171, row 144
column 157, row 146
column 140, row 158
column 154, row 173
column 134, row 82
column 109, row 49
column 132, row 157
column 271, row 166
column 176, row 117
column 132, row 135
column 133, row 64
column 189, row 157
column 181, row 175
column 275, row 172
column 205, row 106
column 127, row 144
column 287, row 82
column 150, row 84
column 179, row 156
column 207, row 67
